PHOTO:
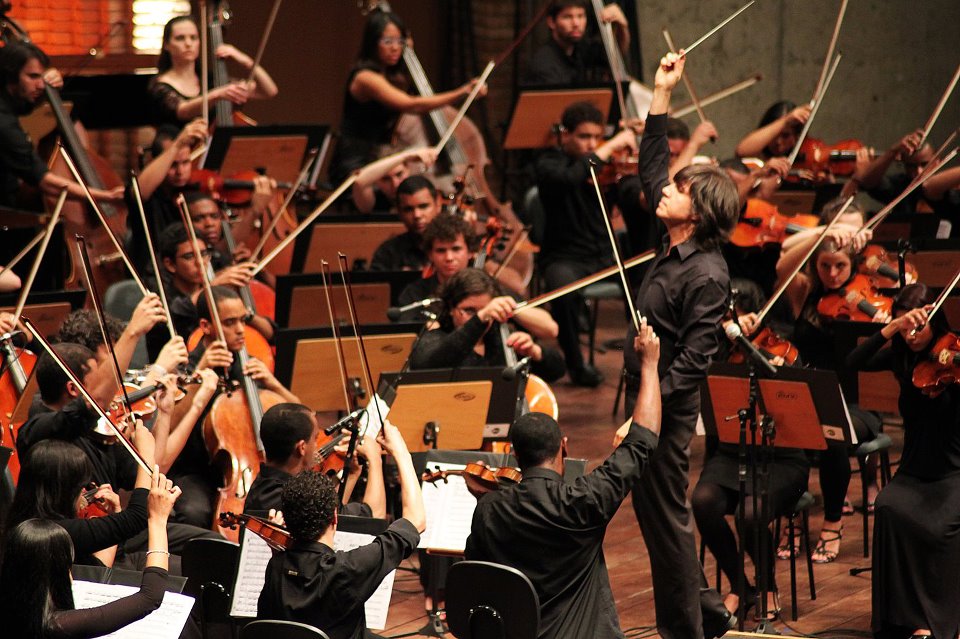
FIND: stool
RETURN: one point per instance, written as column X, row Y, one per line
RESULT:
column 592, row 295
column 880, row 445
column 802, row 508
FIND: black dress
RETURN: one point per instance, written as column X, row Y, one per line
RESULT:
column 916, row 534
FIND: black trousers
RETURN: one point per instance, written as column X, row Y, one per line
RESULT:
column 684, row 603
column 566, row 309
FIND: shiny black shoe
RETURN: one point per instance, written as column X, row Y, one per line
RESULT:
column 587, row 376
column 718, row 625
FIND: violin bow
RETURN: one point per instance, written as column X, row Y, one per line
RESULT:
column 304, row 172
column 813, row 111
column 709, row 33
column 540, row 300
column 697, row 105
column 627, row 291
column 102, row 321
column 198, row 256
column 103, row 220
column 87, row 396
column 822, row 80
column 305, row 224
column 31, row 276
column 719, row 95
column 612, row 49
column 936, row 112
column 527, row 29
column 482, row 80
column 23, row 252
column 786, row 282
column 263, row 39
column 135, row 187
column 944, row 294
column 923, row 177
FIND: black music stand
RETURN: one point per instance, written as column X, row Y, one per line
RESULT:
column 301, row 302
column 46, row 309
column 279, row 148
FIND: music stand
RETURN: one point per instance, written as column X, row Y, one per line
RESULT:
column 877, row 390
column 357, row 236
column 301, row 302
column 445, row 415
column 536, row 114
column 46, row 309
column 279, row 148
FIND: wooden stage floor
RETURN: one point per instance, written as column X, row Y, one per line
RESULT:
column 842, row 607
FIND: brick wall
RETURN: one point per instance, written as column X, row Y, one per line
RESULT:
column 67, row 27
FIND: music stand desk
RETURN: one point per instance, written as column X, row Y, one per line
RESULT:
column 536, row 113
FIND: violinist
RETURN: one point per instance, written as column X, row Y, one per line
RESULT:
column 376, row 95
column 472, row 304
column 311, row 583
column 290, row 433
column 683, row 294
column 375, row 190
column 777, row 133
column 175, row 91
column 552, row 530
column 418, row 203
column 166, row 175
column 24, row 74
column 575, row 240
column 831, row 268
column 570, row 58
column 916, row 518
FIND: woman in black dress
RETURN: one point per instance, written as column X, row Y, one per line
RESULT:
column 916, row 534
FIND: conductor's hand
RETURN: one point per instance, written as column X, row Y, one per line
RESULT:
column 647, row 346
column 669, row 71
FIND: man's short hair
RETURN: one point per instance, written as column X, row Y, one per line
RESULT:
column 677, row 129
column 14, row 56
column 220, row 293
column 51, row 380
column 535, row 438
column 192, row 197
column 447, row 227
column 713, row 198
column 559, row 5
column 171, row 237
column 414, row 184
column 578, row 113
column 309, row 504
column 282, row 426
column 82, row 327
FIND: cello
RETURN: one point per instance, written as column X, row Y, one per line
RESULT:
column 224, row 113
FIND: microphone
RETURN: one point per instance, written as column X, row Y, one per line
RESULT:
column 345, row 422
column 394, row 312
column 510, row 372
column 736, row 335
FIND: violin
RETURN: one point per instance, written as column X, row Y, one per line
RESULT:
column 770, row 345
column 857, row 301
column 834, row 159
column 142, row 404
column 233, row 191
column 18, row 365
column 762, row 223
column 480, row 478
column 941, row 368
column 276, row 536
column 884, row 268
column 93, row 507
column 623, row 163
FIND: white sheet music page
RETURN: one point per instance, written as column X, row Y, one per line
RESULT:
column 449, row 507
column 166, row 622
column 254, row 556
column 378, row 604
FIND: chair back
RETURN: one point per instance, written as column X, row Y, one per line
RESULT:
column 119, row 301
column 491, row 601
column 271, row 629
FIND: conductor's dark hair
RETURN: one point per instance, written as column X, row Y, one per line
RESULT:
column 220, row 293
column 560, row 5
column 309, row 504
column 713, row 199
column 776, row 111
column 35, row 578
column 53, row 475
column 535, row 438
column 284, row 425
column 82, row 327
column 447, row 227
column 415, row 184
column 51, row 380
column 165, row 62
column 165, row 133
column 14, row 56
column 578, row 113
column 171, row 237
column 677, row 129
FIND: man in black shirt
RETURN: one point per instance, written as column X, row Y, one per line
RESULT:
column 418, row 203
column 553, row 531
column 683, row 295
column 569, row 58
column 375, row 189
column 311, row 583
column 575, row 241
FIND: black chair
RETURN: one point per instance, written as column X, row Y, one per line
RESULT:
column 271, row 629
column 879, row 445
column 490, row 601
column 210, row 566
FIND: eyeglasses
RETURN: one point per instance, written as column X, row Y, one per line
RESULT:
column 390, row 42
column 191, row 255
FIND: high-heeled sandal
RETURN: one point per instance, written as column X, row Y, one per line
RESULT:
column 790, row 547
column 772, row 613
column 827, row 536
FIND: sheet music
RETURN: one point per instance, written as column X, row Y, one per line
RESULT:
column 166, row 622
column 370, row 421
column 846, row 412
column 449, row 508
column 378, row 604
column 254, row 556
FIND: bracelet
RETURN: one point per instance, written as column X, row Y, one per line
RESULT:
column 159, row 552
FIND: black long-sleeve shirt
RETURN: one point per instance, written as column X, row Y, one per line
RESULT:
column 102, row 620
column 18, row 160
column 553, row 533
column 684, row 292
column 94, row 534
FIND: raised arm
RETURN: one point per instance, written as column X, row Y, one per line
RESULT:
column 411, row 498
column 371, row 86
column 756, row 141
